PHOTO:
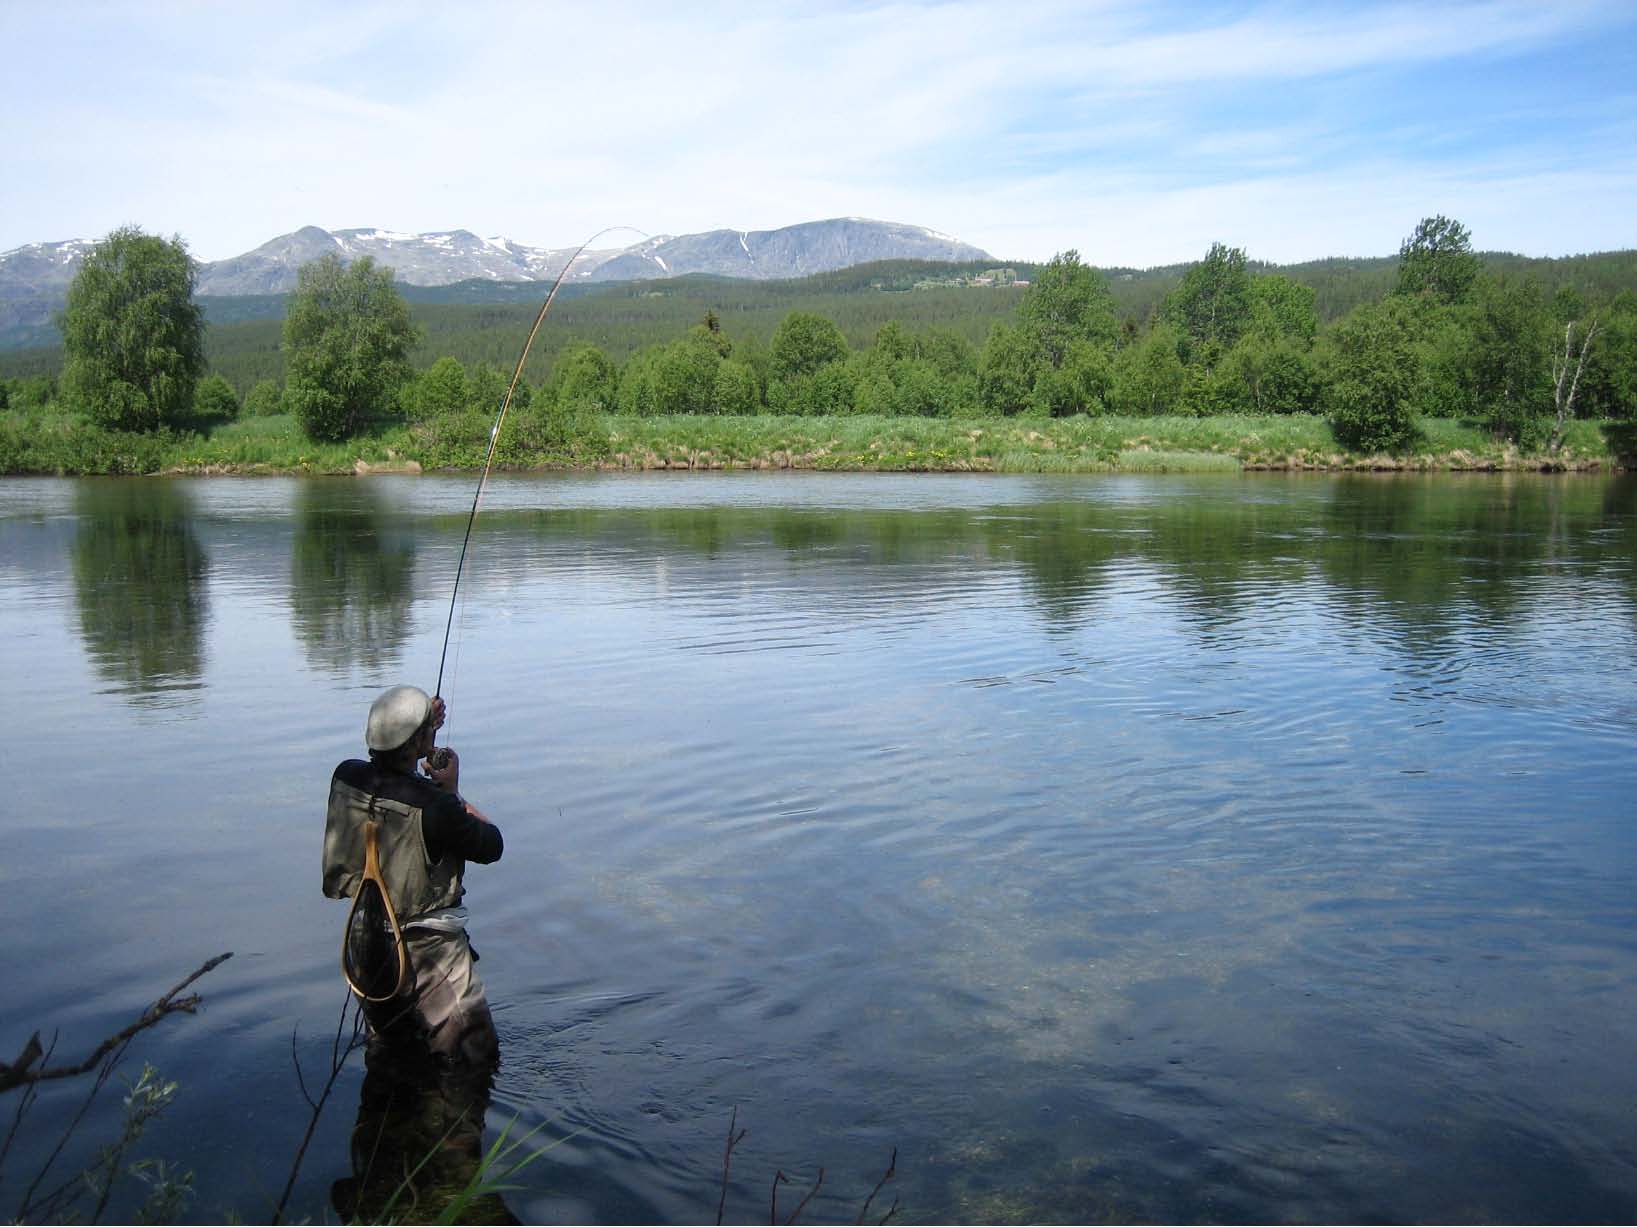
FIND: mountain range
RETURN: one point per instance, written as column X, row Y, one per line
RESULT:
column 34, row 279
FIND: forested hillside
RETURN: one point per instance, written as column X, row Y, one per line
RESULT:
column 482, row 321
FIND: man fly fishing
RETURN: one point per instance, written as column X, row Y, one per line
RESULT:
column 397, row 842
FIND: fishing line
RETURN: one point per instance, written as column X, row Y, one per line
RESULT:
column 494, row 435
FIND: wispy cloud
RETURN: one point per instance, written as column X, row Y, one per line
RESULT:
column 1124, row 129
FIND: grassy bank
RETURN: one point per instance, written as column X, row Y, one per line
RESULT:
column 1066, row 445
column 61, row 444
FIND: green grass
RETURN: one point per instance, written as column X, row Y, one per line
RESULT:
column 277, row 443
column 1066, row 445
column 45, row 442
column 1146, row 461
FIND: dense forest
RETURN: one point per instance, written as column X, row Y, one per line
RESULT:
column 481, row 321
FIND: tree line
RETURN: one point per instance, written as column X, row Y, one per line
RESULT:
column 1453, row 335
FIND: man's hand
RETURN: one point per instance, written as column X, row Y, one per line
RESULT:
column 439, row 711
column 443, row 769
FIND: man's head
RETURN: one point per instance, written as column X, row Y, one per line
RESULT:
column 398, row 719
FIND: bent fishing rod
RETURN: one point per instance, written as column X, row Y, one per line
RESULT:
column 494, row 436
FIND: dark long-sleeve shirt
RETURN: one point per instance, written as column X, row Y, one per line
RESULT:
column 446, row 825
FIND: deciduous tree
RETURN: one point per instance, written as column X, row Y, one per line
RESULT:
column 133, row 338
column 684, row 376
column 809, row 367
column 1079, row 385
column 805, row 342
column 1213, row 301
column 1006, row 371
column 584, row 373
column 1148, row 376
column 1282, row 309
column 1067, row 302
column 1609, row 386
column 1438, row 261
column 1567, row 368
column 1274, row 376
column 1374, row 379
column 1509, row 356
column 215, row 402
column 438, row 391
column 347, row 337
column 264, row 400
column 736, row 388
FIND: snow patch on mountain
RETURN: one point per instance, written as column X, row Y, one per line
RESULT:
column 34, row 279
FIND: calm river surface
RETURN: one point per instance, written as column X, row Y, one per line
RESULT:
column 1116, row 848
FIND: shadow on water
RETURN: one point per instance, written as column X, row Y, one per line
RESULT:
column 141, row 584
column 417, row 1144
column 352, row 576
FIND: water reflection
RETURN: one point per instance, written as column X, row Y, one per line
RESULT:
column 417, row 1144
column 1060, row 549
column 1298, row 896
column 141, row 585
column 352, row 576
column 1427, row 559
column 1415, row 554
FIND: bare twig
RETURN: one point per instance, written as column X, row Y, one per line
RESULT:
column 817, row 1184
column 892, row 1170
column 104, row 1059
column 737, row 1135
column 339, row 1052
column 773, row 1201
column 12, row 1074
column 24, row 1101
column 51, row 1199
column 727, row 1161
column 19, row 1072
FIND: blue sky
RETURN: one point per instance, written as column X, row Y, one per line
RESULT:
column 1137, row 133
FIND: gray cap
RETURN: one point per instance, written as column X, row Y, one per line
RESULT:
column 394, row 717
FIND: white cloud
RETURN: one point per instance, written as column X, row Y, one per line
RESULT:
column 1121, row 129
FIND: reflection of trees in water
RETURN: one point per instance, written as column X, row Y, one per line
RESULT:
column 1430, row 556
column 1419, row 556
column 352, row 573
column 1617, row 536
column 1223, row 558
column 1064, row 551
column 141, row 583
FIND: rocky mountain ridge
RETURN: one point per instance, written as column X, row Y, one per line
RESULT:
column 34, row 279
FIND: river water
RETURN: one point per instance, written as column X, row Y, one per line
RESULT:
column 1111, row 848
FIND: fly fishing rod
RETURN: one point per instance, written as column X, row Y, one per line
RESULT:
column 494, row 436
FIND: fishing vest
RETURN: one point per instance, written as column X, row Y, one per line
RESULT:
column 415, row 885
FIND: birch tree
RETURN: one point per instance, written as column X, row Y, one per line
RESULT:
column 1563, row 396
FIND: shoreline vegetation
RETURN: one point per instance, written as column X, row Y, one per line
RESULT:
column 1456, row 367
column 64, row 445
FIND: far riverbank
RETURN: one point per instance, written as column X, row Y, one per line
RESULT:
column 68, row 446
